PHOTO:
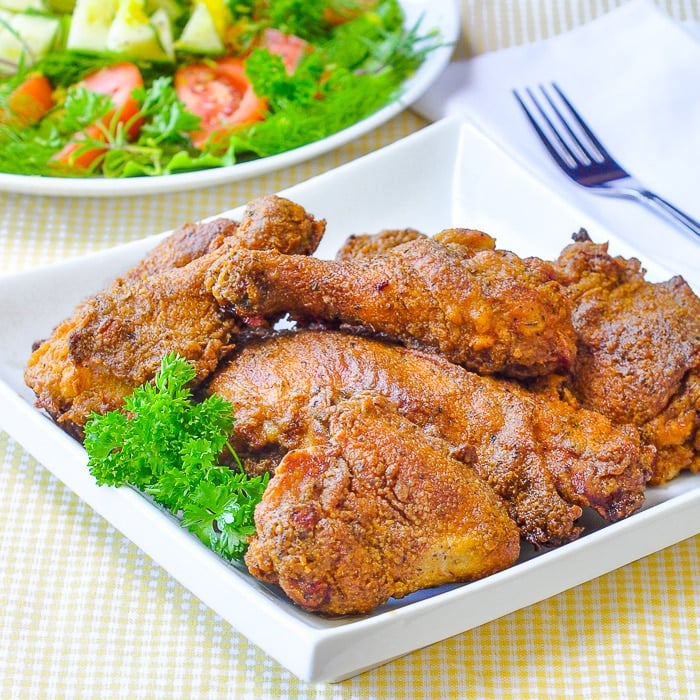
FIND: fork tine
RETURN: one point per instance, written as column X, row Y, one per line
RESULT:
column 597, row 153
column 582, row 125
column 555, row 152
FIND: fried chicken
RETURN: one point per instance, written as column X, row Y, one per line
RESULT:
column 374, row 509
column 115, row 340
column 638, row 354
column 485, row 309
column 543, row 457
column 369, row 244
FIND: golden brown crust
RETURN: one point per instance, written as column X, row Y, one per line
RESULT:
column 488, row 310
column 364, row 245
column 376, row 511
column 115, row 339
column 544, row 457
column 638, row 351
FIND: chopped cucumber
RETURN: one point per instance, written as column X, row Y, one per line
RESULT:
column 162, row 23
column 200, row 34
column 133, row 34
column 90, row 24
column 25, row 37
column 219, row 13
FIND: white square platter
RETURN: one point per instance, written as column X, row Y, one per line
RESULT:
column 448, row 174
column 426, row 16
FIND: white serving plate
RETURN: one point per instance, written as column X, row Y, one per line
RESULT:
column 428, row 15
column 448, row 174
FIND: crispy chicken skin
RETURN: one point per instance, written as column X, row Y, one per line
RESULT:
column 675, row 432
column 638, row 350
column 115, row 340
column 368, row 244
column 375, row 509
column 488, row 310
column 185, row 244
column 544, row 457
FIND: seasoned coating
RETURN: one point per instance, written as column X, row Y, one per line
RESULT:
column 675, row 432
column 276, row 223
column 488, row 310
column 368, row 244
column 375, row 510
column 637, row 344
column 544, row 457
column 115, row 340
column 185, row 244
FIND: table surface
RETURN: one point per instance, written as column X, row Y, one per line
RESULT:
column 86, row 614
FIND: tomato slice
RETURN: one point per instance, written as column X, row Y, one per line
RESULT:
column 118, row 81
column 290, row 47
column 32, row 99
column 220, row 94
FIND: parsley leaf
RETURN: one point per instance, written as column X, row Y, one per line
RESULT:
column 169, row 447
column 166, row 119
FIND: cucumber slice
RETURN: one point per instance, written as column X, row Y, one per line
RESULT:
column 26, row 37
column 219, row 13
column 90, row 24
column 132, row 33
column 162, row 23
column 200, row 34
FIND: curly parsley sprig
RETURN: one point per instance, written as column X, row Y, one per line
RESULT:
column 169, row 447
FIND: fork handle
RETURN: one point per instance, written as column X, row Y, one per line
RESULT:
column 668, row 210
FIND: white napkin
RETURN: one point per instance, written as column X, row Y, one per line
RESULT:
column 634, row 74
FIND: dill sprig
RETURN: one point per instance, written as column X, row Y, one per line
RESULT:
column 352, row 70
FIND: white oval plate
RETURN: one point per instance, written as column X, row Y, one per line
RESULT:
column 440, row 15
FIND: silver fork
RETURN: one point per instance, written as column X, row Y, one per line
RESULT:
column 584, row 159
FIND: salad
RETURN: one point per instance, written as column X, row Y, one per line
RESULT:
column 125, row 88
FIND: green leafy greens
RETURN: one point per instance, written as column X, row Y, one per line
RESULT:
column 351, row 71
column 169, row 447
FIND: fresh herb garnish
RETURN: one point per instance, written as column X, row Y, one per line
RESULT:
column 350, row 70
column 169, row 447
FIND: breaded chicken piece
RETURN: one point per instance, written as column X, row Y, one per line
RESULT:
column 543, row 457
column 675, row 432
column 638, row 350
column 115, row 340
column 374, row 510
column 365, row 245
column 487, row 310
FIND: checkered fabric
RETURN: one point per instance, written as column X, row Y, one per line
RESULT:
column 86, row 614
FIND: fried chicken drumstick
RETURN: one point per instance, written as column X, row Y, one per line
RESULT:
column 638, row 357
column 115, row 340
column 439, row 401
column 485, row 309
column 543, row 457
column 373, row 510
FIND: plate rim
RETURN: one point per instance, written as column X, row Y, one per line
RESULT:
column 314, row 649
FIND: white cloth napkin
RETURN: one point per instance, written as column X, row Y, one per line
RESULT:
column 634, row 74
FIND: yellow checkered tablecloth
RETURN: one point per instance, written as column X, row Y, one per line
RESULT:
column 85, row 614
